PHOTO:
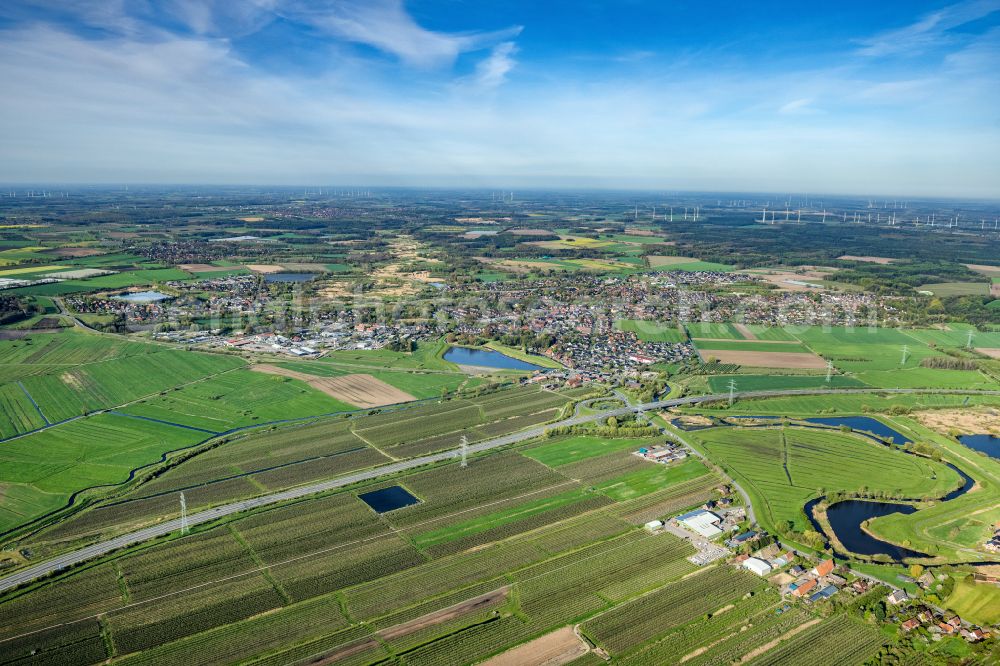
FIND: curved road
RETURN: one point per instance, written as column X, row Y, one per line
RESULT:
column 72, row 558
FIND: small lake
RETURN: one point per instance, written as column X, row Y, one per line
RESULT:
column 143, row 297
column 987, row 444
column 846, row 518
column 487, row 358
column 388, row 499
column 289, row 277
column 865, row 424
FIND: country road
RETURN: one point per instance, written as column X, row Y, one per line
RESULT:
column 72, row 558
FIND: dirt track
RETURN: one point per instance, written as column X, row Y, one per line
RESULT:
column 745, row 331
column 559, row 647
column 445, row 614
column 360, row 390
column 415, row 625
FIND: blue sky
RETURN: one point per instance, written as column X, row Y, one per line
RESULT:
column 858, row 97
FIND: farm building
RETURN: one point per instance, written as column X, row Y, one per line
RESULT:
column 654, row 525
column 823, row 568
column 802, row 589
column 825, row 593
column 742, row 538
column 756, row 565
column 897, row 597
column 702, row 522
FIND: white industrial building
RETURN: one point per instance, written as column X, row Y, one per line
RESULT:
column 701, row 522
column 757, row 565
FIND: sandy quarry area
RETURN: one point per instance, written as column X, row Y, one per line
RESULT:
column 758, row 359
column 969, row 420
column 265, row 268
column 687, row 419
column 553, row 649
column 992, row 271
column 360, row 390
column 788, row 281
column 871, row 260
column 79, row 274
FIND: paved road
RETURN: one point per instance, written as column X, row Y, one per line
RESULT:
column 103, row 547
column 743, row 493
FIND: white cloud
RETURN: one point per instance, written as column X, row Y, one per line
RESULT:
column 797, row 106
column 160, row 107
column 929, row 31
column 492, row 71
column 386, row 25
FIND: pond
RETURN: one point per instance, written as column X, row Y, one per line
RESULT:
column 143, row 297
column 865, row 424
column 845, row 521
column 388, row 499
column 987, row 444
column 289, row 277
column 487, row 358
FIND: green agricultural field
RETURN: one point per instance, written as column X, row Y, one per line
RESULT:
column 955, row 529
column 775, row 333
column 626, row 627
column 782, row 468
column 653, row 478
column 669, row 263
column 441, row 426
column 976, row 602
column 564, row 451
column 537, row 550
column 235, row 399
column 40, row 471
column 106, row 384
column 720, row 383
column 708, row 330
column 857, row 336
column 136, row 278
column 418, row 384
column 69, row 374
column 41, row 353
column 543, row 507
column 426, row 357
column 17, row 413
column 811, row 405
column 891, row 357
column 957, row 288
column 956, row 337
column 651, row 331
column 750, row 345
